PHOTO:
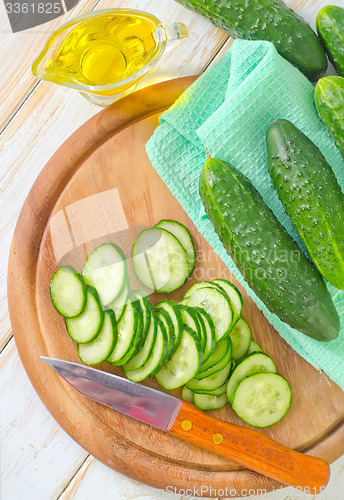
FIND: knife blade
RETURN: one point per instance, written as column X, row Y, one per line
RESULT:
column 183, row 420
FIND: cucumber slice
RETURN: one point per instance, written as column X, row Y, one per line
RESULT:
column 209, row 334
column 187, row 395
column 215, row 392
column 254, row 347
column 184, row 364
column 217, row 306
column 118, row 306
column 226, row 360
column 167, row 324
column 173, row 310
column 127, row 331
column 146, row 313
column 254, row 363
column 101, row 347
column 262, row 399
column 68, row 292
column 184, row 238
column 85, row 327
column 190, row 319
column 220, row 351
column 209, row 402
column 157, row 354
column 142, row 356
column 203, row 331
column 235, row 297
column 106, row 270
column 159, row 260
column 210, row 383
column 241, row 339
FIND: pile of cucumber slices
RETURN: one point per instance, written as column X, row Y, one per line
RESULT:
column 201, row 343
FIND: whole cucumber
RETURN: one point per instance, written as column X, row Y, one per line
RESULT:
column 329, row 101
column 311, row 196
column 269, row 20
column 265, row 254
column 330, row 27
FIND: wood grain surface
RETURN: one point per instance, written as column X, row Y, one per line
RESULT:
column 107, row 153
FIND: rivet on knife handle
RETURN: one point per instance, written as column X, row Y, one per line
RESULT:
column 251, row 449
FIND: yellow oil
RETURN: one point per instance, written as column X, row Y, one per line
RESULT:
column 104, row 49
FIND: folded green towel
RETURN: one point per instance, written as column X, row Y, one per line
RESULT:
column 227, row 111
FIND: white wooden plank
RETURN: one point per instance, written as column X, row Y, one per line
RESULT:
column 37, row 457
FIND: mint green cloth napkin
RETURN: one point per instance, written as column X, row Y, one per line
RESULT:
column 228, row 110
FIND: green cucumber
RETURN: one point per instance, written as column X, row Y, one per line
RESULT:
column 329, row 101
column 209, row 402
column 265, row 254
column 241, row 339
column 68, row 292
column 269, row 20
column 330, row 27
column 311, row 196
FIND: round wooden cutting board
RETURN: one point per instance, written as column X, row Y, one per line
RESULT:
column 100, row 186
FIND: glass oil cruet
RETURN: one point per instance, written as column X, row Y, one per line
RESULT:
column 105, row 53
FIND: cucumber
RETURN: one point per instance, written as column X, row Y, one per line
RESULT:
column 265, row 254
column 329, row 101
column 165, row 318
column 101, row 347
column 187, row 395
column 159, row 260
column 127, row 334
column 210, row 383
column 234, row 296
column 254, row 363
column 191, row 319
column 225, row 361
column 184, row 238
column 311, row 196
column 118, row 306
column 330, row 27
column 254, row 347
column 217, row 305
column 157, row 354
column 209, row 333
column 241, row 339
column 220, row 351
column 106, row 269
column 86, row 327
column 184, row 364
column 262, row 399
column 173, row 310
column 68, row 292
column 215, row 392
column 209, row 402
column 269, row 20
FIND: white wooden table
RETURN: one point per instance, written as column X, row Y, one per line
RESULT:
column 38, row 459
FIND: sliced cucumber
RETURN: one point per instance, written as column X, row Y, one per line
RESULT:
column 118, row 306
column 167, row 324
column 216, row 305
column 241, row 339
column 142, row 356
column 215, row 392
column 209, row 402
column 220, row 351
column 235, row 297
column 173, row 310
column 184, row 364
column 262, row 399
column 254, row 363
column 187, row 395
column 159, row 260
column 190, row 319
column 210, row 383
column 157, row 354
column 101, row 347
column 209, row 334
column 254, row 347
column 106, row 270
column 85, row 327
column 184, row 238
column 146, row 313
column 68, row 292
column 127, row 331
column 217, row 367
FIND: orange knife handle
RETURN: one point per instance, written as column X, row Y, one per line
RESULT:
column 251, row 449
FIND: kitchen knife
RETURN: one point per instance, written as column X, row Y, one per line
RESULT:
column 183, row 420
